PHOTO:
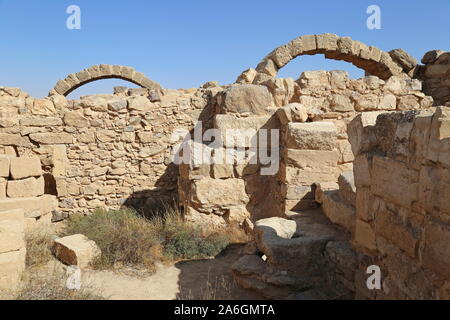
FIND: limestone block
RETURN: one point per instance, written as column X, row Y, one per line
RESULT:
column 366, row 204
column 44, row 204
column 43, row 107
column 345, row 151
column 247, row 76
column 267, row 66
column 220, row 193
column 281, row 56
column 434, row 190
column 76, row 250
column 360, row 133
column 237, row 214
column 311, row 135
column 293, row 112
column 302, row 45
column 220, row 171
column 341, row 103
column 347, row 188
column 393, row 181
column 327, row 42
column 275, row 227
column 33, row 121
column 364, row 235
column 12, row 264
column 52, row 138
column 7, row 139
column 139, row 103
column 337, row 211
column 242, row 132
column 389, row 224
column 24, row 167
column 246, row 98
column 24, row 188
column 60, row 161
column 11, row 234
column 403, row 59
column 436, row 253
column 75, row 119
column 94, row 102
column 4, row 166
column 306, row 167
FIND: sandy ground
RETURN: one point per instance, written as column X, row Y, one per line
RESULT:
column 194, row 279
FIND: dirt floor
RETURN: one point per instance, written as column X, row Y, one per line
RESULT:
column 193, row 279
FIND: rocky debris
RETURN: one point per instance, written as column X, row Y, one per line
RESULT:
column 76, row 250
column 251, row 272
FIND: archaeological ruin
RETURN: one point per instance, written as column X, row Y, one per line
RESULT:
column 331, row 175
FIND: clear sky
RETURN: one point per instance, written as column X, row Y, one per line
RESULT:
column 182, row 44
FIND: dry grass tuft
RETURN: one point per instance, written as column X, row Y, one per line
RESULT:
column 52, row 286
column 38, row 244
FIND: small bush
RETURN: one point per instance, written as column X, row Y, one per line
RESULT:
column 38, row 244
column 52, row 286
column 122, row 235
column 187, row 242
column 126, row 237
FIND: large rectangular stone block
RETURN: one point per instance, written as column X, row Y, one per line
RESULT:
column 312, row 136
column 11, row 235
column 24, row 167
column 394, row 181
column 337, row 211
column 12, row 264
column 436, row 253
column 305, row 167
column 44, row 204
column 389, row 224
column 434, row 190
column 30, row 187
column 52, row 138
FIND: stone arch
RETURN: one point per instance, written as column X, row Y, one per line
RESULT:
column 100, row 72
column 371, row 59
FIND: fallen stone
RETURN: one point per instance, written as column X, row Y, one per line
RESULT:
column 76, row 250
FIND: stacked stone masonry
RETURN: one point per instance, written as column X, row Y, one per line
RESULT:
column 117, row 149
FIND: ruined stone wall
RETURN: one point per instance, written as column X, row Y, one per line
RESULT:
column 402, row 204
column 436, row 75
column 101, row 150
column 312, row 114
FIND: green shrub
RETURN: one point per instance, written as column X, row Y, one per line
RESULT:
column 186, row 242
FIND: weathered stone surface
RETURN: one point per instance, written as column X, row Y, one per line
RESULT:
column 4, row 166
column 139, row 103
column 246, row 98
column 306, row 167
column 347, row 188
column 41, row 121
column 364, row 235
column 24, row 167
column 275, row 227
column 431, row 56
column 12, row 265
column 293, row 112
column 45, row 204
column 76, row 250
column 338, row 211
column 25, row 188
column 212, row 193
column 313, row 136
column 75, row 119
column 437, row 251
column 403, row 59
column 7, row 139
column 52, row 138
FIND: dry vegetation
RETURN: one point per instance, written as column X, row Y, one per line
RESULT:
column 127, row 238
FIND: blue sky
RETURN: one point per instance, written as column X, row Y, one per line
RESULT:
column 182, row 44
